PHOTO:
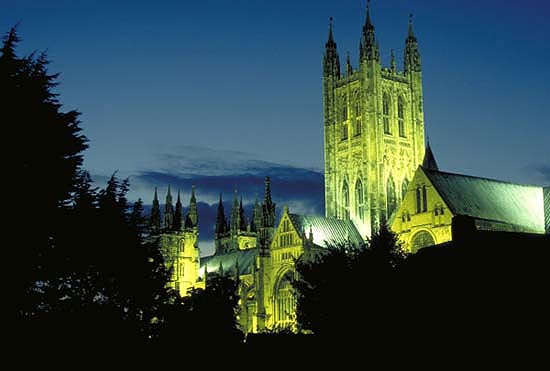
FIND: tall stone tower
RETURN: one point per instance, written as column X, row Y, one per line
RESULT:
column 374, row 130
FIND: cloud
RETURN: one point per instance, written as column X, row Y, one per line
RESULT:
column 215, row 171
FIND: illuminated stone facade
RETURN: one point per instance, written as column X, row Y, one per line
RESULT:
column 373, row 130
column 374, row 144
column 434, row 198
column 178, row 241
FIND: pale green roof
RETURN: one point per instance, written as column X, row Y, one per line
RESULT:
column 493, row 200
column 327, row 231
column 228, row 261
column 546, row 192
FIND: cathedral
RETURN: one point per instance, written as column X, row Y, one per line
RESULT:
column 378, row 170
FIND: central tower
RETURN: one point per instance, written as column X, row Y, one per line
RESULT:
column 373, row 129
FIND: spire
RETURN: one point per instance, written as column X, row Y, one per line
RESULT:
column 168, row 210
column 330, row 40
column 368, row 22
column 242, row 216
column 155, row 215
column 178, row 214
column 349, row 68
column 331, row 60
column 192, row 219
column 412, row 54
column 268, row 207
column 429, row 159
column 235, row 214
column 393, row 65
column 256, row 221
column 220, row 268
column 221, row 223
column 369, row 49
column 411, row 33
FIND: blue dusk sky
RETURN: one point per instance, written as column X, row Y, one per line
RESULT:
column 222, row 93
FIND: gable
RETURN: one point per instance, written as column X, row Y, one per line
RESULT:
column 286, row 234
column 409, row 204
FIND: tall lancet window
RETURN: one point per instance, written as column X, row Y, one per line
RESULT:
column 345, row 201
column 401, row 116
column 391, row 199
column 386, row 113
column 359, row 200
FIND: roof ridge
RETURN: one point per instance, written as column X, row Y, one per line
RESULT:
column 483, row 178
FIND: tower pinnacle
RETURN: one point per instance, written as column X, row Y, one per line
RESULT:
column 192, row 215
column 178, row 214
column 331, row 60
column 168, row 210
column 368, row 46
column 155, row 215
column 412, row 54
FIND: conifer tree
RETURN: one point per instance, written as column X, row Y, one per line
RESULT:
column 43, row 166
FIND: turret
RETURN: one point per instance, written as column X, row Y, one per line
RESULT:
column 368, row 47
column 168, row 211
column 192, row 219
column 155, row 215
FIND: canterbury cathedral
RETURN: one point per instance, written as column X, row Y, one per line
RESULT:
column 378, row 170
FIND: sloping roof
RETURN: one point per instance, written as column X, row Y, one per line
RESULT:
column 245, row 258
column 494, row 200
column 546, row 191
column 327, row 231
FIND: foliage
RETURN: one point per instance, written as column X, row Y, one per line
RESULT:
column 333, row 288
column 43, row 164
column 83, row 271
column 206, row 315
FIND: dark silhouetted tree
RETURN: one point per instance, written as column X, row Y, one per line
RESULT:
column 346, row 289
column 137, row 219
column 42, row 166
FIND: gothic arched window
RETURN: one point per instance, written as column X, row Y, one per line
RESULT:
column 357, row 126
column 390, row 197
column 424, row 199
column 401, row 116
column 418, row 200
column 421, row 239
column 285, row 302
column 345, row 201
column 386, row 113
column 359, row 200
column 344, row 108
column 344, row 131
